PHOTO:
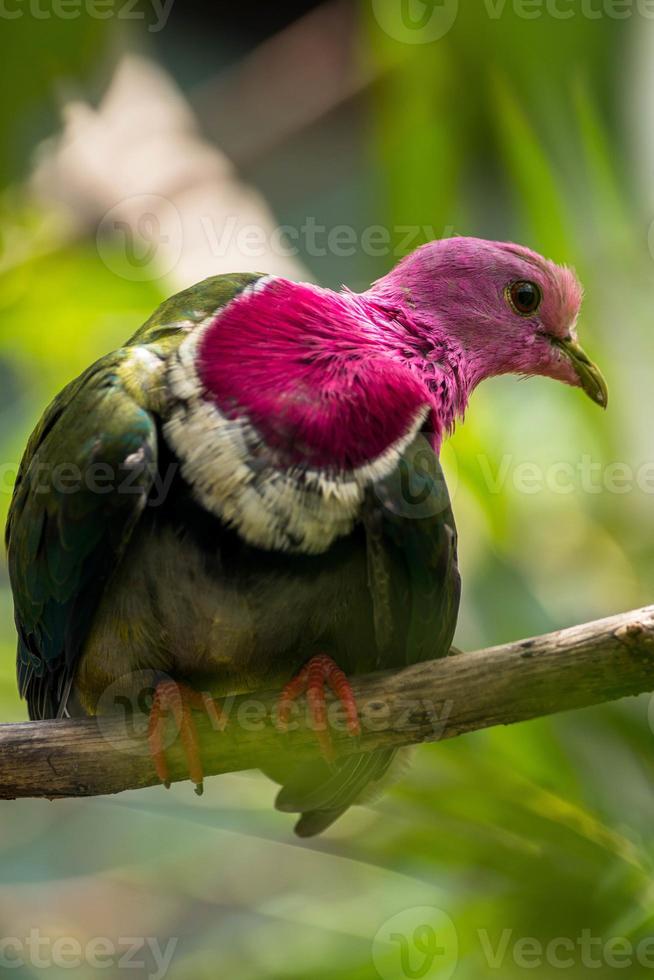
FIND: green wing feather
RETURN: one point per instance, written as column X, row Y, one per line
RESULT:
column 190, row 306
column 67, row 529
column 82, row 486
column 413, row 569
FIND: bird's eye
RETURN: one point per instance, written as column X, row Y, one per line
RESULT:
column 523, row 296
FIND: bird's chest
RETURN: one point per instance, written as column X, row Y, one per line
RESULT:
column 252, row 613
column 193, row 601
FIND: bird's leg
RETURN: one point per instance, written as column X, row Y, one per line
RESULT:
column 318, row 672
column 178, row 700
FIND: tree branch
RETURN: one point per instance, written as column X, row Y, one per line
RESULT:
column 600, row 661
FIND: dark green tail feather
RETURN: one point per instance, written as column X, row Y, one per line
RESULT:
column 321, row 795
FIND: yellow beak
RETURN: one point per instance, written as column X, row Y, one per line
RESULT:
column 590, row 376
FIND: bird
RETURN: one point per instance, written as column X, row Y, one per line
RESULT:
column 228, row 501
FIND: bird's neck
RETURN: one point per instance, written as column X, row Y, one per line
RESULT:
column 345, row 376
column 425, row 348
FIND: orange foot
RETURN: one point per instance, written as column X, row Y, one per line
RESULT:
column 311, row 680
column 178, row 700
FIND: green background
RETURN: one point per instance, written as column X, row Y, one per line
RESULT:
column 527, row 128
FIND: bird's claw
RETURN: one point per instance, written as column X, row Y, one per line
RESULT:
column 178, row 701
column 317, row 673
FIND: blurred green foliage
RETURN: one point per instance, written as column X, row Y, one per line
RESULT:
column 508, row 129
column 45, row 60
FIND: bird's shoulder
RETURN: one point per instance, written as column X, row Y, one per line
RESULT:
column 183, row 311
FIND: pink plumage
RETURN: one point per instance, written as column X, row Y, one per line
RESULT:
column 331, row 379
column 311, row 370
column 299, row 397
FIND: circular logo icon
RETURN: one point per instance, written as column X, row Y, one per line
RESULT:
column 416, row 488
column 420, row 942
column 650, row 712
column 140, row 238
column 416, row 21
column 123, row 712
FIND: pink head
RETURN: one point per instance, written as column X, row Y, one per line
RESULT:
column 506, row 309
